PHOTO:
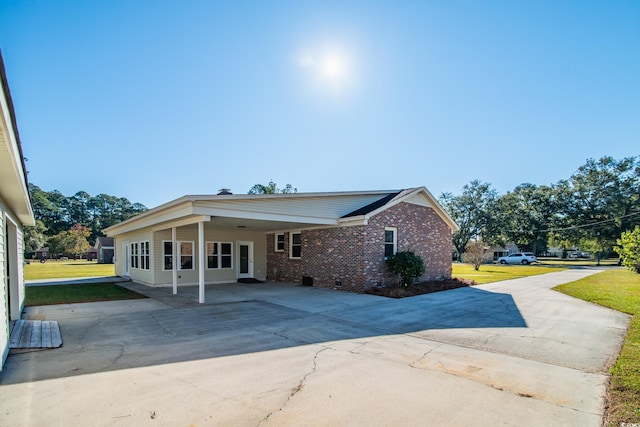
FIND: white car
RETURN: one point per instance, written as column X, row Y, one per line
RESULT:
column 518, row 258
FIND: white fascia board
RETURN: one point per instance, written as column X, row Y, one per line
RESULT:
column 353, row 220
column 182, row 222
column 262, row 216
column 150, row 220
column 21, row 193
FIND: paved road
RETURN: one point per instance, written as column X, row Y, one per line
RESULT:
column 509, row 353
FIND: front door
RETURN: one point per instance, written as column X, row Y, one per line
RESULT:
column 125, row 261
column 245, row 260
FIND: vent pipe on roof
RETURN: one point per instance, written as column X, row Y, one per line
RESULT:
column 224, row 192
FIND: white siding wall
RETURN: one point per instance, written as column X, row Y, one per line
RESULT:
column 190, row 233
column 4, row 326
column 15, row 252
column 136, row 274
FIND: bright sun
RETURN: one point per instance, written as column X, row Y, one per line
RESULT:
column 333, row 68
column 328, row 67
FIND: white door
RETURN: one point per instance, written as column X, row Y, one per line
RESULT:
column 245, row 259
column 125, row 260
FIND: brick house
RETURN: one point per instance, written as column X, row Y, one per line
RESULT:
column 336, row 240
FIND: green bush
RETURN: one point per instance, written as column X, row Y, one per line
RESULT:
column 407, row 265
column 629, row 249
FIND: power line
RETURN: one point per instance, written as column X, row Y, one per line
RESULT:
column 591, row 224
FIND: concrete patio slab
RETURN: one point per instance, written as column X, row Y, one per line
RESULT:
column 509, row 353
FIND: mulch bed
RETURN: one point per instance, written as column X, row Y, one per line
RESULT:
column 421, row 288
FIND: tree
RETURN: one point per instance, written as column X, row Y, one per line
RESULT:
column 629, row 249
column 48, row 208
column 272, row 188
column 604, row 201
column 475, row 213
column 526, row 213
column 407, row 265
column 72, row 241
column 476, row 253
column 34, row 237
column 59, row 212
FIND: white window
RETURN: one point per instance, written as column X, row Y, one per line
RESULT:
column 185, row 255
column 144, row 255
column 390, row 241
column 167, row 255
column 219, row 255
column 279, row 242
column 134, row 255
column 295, row 245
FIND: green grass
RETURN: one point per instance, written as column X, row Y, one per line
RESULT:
column 495, row 272
column 64, row 269
column 71, row 294
column 577, row 262
column 620, row 290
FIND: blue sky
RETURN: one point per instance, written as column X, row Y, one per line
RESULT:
column 152, row 100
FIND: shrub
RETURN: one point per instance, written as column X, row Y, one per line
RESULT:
column 476, row 253
column 629, row 249
column 407, row 265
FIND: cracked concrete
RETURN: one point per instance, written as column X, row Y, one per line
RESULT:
column 509, row 353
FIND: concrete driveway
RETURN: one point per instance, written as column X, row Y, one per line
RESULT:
column 509, row 353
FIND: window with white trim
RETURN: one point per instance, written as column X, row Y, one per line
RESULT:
column 185, row 255
column 390, row 241
column 167, row 255
column 144, row 255
column 134, row 255
column 295, row 245
column 279, row 242
column 219, row 255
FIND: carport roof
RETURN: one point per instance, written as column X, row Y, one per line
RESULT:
column 276, row 212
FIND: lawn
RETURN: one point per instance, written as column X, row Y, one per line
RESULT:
column 577, row 262
column 64, row 269
column 620, row 290
column 495, row 272
column 70, row 294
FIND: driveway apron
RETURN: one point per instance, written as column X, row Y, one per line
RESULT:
column 509, row 353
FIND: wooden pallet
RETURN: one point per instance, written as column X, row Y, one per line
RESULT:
column 35, row 334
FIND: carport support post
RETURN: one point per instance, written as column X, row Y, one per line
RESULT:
column 174, row 260
column 201, row 262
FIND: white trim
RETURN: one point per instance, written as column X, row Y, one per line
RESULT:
column 249, row 244
column 174, row 260
column 218, row 255
column 193, row 255
column 126, row 268
column 146, row 266
column 291, row 233
column 395, row 240
column 275, row 243
column 201, row 262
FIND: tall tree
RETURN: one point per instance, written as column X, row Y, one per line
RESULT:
column 34, row 237
column 58, row 212
column 272, row 188
column 526, row 214
column 473, row 211
column 604, row 202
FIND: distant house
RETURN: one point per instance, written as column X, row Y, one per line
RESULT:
column 104, row 250
column 42, row 253
column 332, row 240
column 15, row 213
column 500, row 251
